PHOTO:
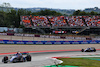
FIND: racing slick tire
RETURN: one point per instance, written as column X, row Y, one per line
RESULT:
column 94, row 50
column 82, row 50
column 5, row 59
column 28, row 57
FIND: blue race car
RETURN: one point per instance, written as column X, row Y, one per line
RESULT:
column 14, row 59
column 91, row 49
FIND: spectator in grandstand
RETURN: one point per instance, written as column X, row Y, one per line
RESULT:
column 59, row 21
column 75, row 21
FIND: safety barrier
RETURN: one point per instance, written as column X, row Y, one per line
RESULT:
column 49, row 42
column 47, row 36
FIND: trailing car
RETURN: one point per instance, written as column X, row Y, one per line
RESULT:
column 91, row 49
column 14, row 59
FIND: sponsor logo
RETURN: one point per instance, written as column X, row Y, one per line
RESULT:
column 2, row 42
column 20, row 42
column 57, row 37
column 29, row 43
column 10, row 42
column 3, row 33
column 52, row 36
column 84, row 42
column 18, row 34
column 39, row 43
column 78, row 38
column 46, row 36
column 93, row 42
column 48, row 42
column 42, row 36
column 75, row 42
column 29, row 35
column 57, row 42
column 66, row 42
column 69, row 37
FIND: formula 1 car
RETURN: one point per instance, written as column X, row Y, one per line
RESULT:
column 91, row 49
column 14, row 59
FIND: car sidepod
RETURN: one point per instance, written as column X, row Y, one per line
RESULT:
column 13, row 58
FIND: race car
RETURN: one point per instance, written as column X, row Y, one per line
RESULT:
column 91, row 49
column 14, row 59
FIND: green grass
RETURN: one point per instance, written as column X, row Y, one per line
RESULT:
column 80, row 62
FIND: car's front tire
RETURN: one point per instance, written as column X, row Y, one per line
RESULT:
column 94, row 50
column 5, row 59
column 82, row 50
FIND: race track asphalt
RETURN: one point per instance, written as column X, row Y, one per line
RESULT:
column 43, row 58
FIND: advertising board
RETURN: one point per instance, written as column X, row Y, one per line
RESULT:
column 49, row 42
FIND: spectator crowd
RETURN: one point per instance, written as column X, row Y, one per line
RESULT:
column 60, row 21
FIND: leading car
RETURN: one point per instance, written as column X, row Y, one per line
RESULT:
column 91, row 49
column 14, row 59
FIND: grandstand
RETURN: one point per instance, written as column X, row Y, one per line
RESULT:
column 47, row 24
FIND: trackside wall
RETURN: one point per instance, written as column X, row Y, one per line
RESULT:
column 49, row 42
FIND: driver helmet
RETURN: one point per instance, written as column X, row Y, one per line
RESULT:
column 18, row 52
